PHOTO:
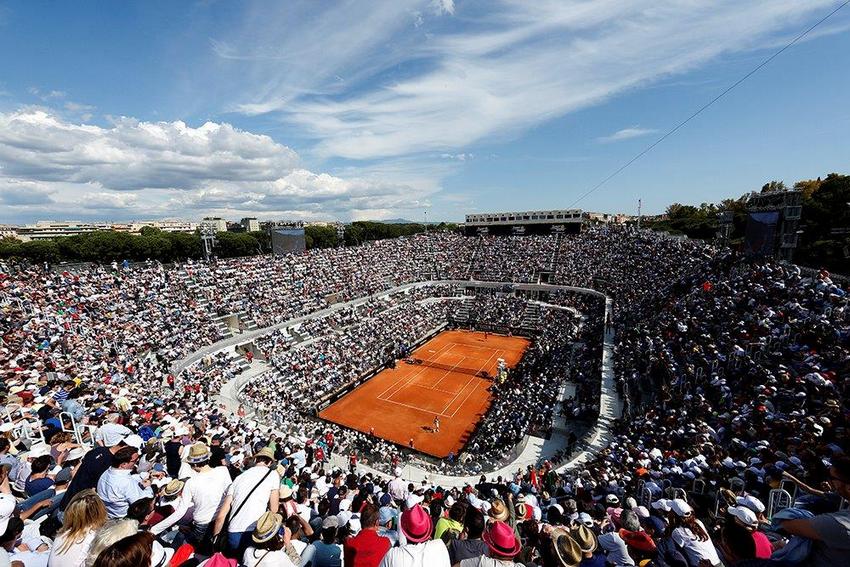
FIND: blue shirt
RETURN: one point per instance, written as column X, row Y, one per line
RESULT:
column 118, row 488
column 326, row 555
column 34, row 486
column 598, row 560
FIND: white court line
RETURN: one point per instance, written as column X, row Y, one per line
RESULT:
column 446, row 373
column 412, row 375
column 416, row 408
column 486, row 362
column 417, row 374
column 450, row 392
column 479, row 370
column 457, row 409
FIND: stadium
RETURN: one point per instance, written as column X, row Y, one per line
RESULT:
column 648, row 369
column 424, row 283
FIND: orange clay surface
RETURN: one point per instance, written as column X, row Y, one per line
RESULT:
column 401, row 403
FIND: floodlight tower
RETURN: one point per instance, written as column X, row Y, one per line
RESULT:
column 725, row 219
column 208, row 239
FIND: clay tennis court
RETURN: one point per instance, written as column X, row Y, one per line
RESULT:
column 401, row 403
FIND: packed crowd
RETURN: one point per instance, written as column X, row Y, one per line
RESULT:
column 501, row 311
column 337, row 358
column 731, row 451
column 528, row 400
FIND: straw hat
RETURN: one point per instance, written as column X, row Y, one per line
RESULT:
column 265, row 452
column 566, row 548
column 198, row 453
column 585, row 538
column 498, row 511
column 173, row 488
column 267, row 528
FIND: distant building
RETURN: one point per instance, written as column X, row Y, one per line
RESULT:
column 218, row 223
column 43, row 230
column 250, row 224
column 8, row 231
column 616, row 218
column 524, row 222
column 170, row 225
column 46, row 229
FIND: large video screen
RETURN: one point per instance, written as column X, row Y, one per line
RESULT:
column 288, row 240
column 761, row 233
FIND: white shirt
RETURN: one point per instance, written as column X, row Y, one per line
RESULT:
column 273, row 559
column 203, row 493
column 429, row 554
column 246, row 519
column 74, row 556
column 695, row 550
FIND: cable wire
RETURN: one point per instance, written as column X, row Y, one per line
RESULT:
column 705, row 106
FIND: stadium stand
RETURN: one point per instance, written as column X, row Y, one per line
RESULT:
column 731, row 448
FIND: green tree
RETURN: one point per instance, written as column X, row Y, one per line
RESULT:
column 264, row 240
column 184, row 245
column 10, row 247
column 150, row 231
column 317, row 236
column 807, row 187
column 40, row 251
column 773, row 186
column 233, row 244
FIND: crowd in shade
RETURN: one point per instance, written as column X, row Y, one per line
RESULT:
column 732, row 447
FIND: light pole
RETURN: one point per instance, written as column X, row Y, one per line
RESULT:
column 208, row 239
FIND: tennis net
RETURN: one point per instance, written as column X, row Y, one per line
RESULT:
column 481, row 373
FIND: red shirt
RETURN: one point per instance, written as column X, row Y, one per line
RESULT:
column 763, row 547
column 366, row 549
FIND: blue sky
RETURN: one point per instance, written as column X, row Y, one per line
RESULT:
column 387, row 108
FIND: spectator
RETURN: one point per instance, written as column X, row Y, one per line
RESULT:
column 246, row 499
column 831, row 531
column 84, row 515
column 367, row 548
column 269, row 544
column 119, row 487
column 420, row 550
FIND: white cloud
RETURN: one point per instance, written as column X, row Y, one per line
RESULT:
column 441, row 7
column 458, row 157
column 46, row 95
column 514, row 64
column 52, row 166
column 626, row 134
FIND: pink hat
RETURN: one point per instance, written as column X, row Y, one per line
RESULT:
column 416, row 524
column 500, row 538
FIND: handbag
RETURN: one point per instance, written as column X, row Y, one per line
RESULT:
column 219, row 540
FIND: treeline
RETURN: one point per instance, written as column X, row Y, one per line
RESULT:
column 154, row 244
column 151, row 244
column 825, row 225
column 359, row 232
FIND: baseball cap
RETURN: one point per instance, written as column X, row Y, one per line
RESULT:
column 744, row 515
column 134, row 440
column 681, row 508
